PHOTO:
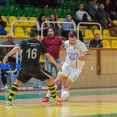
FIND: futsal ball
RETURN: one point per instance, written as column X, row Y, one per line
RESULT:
column 65, row 95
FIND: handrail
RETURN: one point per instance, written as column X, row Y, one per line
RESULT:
column 56, row 23
column 89, row 24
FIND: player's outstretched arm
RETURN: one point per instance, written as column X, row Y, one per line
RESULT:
column 51, row 59
column 13, row 51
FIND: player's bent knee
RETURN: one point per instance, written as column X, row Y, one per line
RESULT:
column 58, row 80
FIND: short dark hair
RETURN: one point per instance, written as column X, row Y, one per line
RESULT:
column 34, row 32
column 68, row 14
column 96, row 34
column 101, row 3
column 81, row 3
column 73, row 34
column 53, row 28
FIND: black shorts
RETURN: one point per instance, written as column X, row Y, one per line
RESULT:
column 41, row 74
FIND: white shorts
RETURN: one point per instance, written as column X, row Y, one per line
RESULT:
column 70, row 73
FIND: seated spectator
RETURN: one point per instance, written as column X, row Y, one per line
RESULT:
column 66, row 28
column 2, row 26
column 96, row 42
column 40, row 20
column 114, row 5
column 101, row 16
column 4, row 2
column 22, row 3
column 3, row 52
column 110, row 9
column 48, row 3
column 10, row 41
column 53, row 17
column 3, row 77
column 81, row 15
column 93, row 7
column 113, row 31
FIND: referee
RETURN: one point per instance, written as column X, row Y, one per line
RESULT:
column 32, row 49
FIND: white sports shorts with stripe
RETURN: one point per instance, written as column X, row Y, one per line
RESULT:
column 41, row 74
column 70, row 73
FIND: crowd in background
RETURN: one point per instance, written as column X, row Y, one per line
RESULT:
column 101, row 11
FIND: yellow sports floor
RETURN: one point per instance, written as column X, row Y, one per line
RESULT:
column 83, row 103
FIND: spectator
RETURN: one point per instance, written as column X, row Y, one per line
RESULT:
column 101, row 16
column 115, row 6
column 52, row 42
column 40, row 20
column 2, row 23
column 96, row 42
column 82, row 16
column 113, row 31
column 4, row 2
column 2, row 26
column 22, row 3
column 4, row 79
column 53, row 17
column 10, row 41
column 93, row 7
column 49, row 3
column 110, row 9
column 3, row 52
column 66, row 28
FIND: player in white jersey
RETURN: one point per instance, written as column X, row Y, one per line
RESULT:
column 75, row 55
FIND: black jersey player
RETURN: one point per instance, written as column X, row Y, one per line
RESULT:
column 32, row 49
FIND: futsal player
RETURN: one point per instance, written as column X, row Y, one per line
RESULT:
column 75, row 55
column 32, row 50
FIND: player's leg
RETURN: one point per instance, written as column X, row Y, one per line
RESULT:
column 56, row 70
column 74, row 73
column 51, row 91
column 13, row 91
column 57, row 81
column 23, row 77
column 61, row 77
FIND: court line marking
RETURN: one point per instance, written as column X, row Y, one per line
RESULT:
column 58, row 103
column 89, row 115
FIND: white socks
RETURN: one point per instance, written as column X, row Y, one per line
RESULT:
column 5, row 86
column 63, row 89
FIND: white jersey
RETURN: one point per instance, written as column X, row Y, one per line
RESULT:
column 79, row 49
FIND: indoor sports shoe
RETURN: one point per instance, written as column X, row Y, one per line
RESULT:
column 8, row 103
column 51, row 99
column 7, row 90
column 45, row 99
column 56, row 99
